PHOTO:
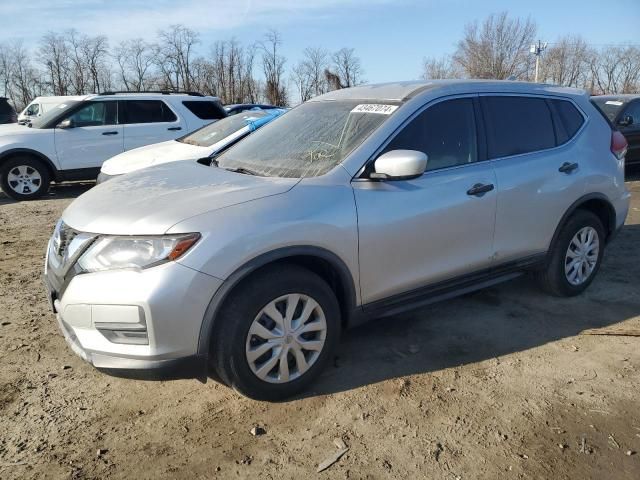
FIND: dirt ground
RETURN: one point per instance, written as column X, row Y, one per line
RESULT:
column 497, row 384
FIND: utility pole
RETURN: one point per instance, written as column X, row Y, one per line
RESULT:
column 537, row 50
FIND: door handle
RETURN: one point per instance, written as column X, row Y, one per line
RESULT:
column 174, row 128
column 567, row 167
column 479, row 189
column 110, row 133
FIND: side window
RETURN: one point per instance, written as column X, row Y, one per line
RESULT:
column 205, row 110
column 446, row 132
column 634, row 110
column 148, row 111
column 33, row 109
column 569, row 118
column 517, row 125
column 95, row 114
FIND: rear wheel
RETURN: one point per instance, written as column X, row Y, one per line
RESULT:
column 576, row 256
column 24, row 178
column 276, row 332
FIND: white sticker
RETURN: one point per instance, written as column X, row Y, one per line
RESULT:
column 375, row 108
column 613, row 102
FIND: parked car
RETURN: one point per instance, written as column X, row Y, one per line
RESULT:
column 243, row 107
column 41, row 105
column 71, row 141
column 623, row 111
column 7, row 113
column 360, row 203
column 201, row 144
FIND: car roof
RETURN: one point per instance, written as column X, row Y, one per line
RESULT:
column 154, row 95
column 623, row 97
column 401, row 91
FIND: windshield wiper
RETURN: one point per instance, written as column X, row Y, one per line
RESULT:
column 243, row 170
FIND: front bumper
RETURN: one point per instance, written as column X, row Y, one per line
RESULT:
column 167, row 303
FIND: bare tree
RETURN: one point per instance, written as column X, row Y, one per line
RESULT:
column 21, row 81
column 567, row 62
column 346, row 69
column 174, row 55
column 55, row 56
column 135, row 61
column 308, row 74
column 302, row 81
column 498, row 48
column 275, row 90
column 443, row 67
column 616, row 70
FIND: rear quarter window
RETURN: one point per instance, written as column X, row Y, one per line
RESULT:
column 569, row 120
column 205, row 110
column 517, row 125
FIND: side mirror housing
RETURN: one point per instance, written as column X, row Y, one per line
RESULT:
column 399, row 165
column 66, row 123
column 626, row 121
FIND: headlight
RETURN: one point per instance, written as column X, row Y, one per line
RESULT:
column 108, row 253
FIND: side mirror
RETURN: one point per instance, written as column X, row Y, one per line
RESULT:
column 399, row 165
column 66, row 123
column 626, row 121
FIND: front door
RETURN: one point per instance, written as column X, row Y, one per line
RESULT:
column 414, row 233
column 92, row 137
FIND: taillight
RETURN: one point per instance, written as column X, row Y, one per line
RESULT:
column 618, row 144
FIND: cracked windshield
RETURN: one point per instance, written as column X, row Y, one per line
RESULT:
column 308, row 141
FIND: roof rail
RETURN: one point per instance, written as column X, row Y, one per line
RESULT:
column 157, row 92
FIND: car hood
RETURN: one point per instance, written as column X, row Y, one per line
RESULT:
column 150, row 201
column 14, row 129
column 154, row 154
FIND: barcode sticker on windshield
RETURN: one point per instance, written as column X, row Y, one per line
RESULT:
column 374, row 108
column 613, row 102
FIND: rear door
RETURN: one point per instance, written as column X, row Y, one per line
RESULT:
column 149, row 121
column 93, row 136
column 537, row 168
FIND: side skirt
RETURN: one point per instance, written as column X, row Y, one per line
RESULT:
column 77, row 174
column 445, row 290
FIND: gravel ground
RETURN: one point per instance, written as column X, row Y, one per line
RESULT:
column 497, row 384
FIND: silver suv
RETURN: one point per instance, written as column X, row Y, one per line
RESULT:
column 360, row 203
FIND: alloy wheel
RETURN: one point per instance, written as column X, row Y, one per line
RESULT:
column 582, row 256
column 24, row 179
column 286, row 338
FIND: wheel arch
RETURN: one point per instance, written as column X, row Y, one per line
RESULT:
column 324, row 263
column 595, row 203
column 16, row 152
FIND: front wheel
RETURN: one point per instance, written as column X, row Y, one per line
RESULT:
column 575, row 257
column 24, row 178
column 276, row 332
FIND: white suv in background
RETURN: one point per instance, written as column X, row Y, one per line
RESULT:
column 71, row 141
column 41, row 105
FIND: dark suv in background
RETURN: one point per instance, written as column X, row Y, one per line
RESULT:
column 7, row 113
column 623, row 111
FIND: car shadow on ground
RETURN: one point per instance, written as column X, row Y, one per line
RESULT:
column 485, row 325
column 56, row 192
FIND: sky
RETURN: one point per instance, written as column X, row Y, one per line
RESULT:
column 391, row 37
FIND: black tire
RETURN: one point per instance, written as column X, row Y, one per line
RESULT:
column 552, row 278
column 31, row 165
column 238, row 313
